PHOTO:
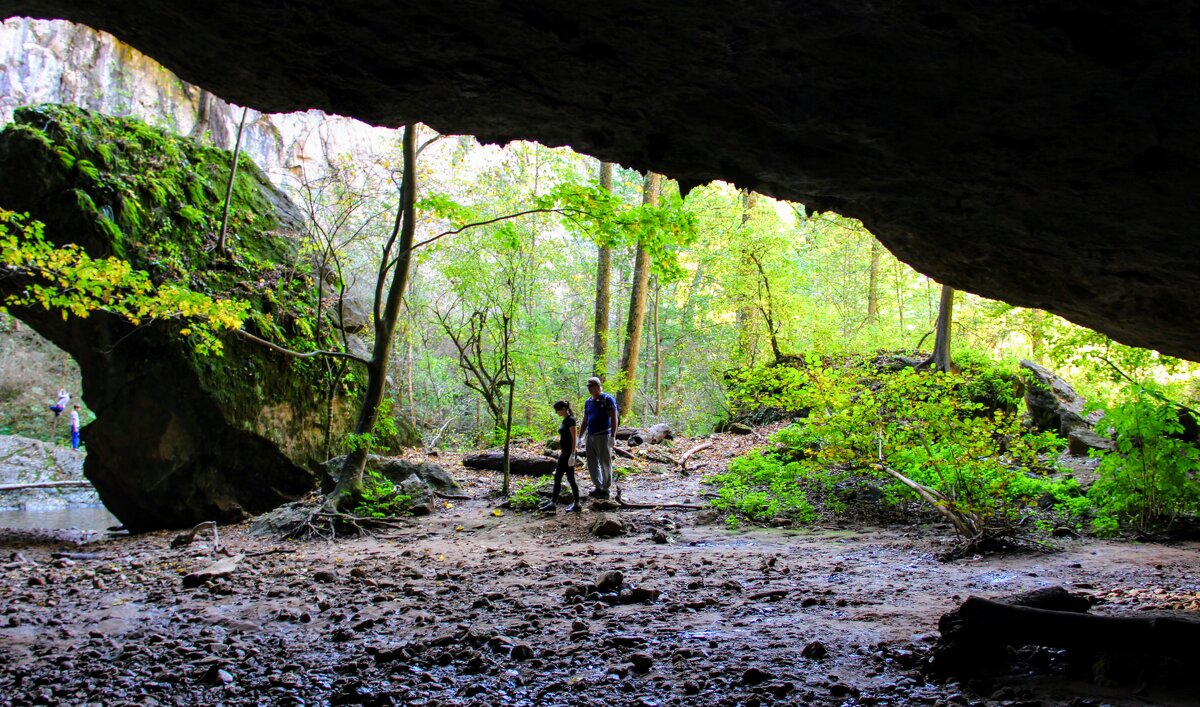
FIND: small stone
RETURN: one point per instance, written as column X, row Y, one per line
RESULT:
column 755, row 676
column 607, row 526
column 610, row 581
column 641, row 662
column 521, row 651
column 814, row 651
column 326, row 576
column 691, row 687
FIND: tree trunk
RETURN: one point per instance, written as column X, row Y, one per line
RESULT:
column 603, row 288
column 941, row 343
column 237, row 151
column 873, row 284
column 746, row 347
column 657, row 354
column 386, row 311
column 637, row 304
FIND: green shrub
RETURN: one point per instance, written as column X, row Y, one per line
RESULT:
column 1150, row 479
column 380, row 499
column 958, row 435
column 527, row 494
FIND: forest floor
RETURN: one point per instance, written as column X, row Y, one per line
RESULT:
column 469, row 607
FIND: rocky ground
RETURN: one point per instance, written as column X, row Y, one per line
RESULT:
column 478, row 605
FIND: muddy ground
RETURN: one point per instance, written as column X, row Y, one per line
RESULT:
column 470, row 606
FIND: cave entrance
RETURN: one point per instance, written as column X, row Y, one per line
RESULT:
column 35, row 444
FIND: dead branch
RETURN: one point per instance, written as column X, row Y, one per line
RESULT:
column 47, row 485
column 967, row 525
column 623, row 453
column 189, row 537
column 688, row 454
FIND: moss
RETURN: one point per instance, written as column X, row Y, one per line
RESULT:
column 155, row 200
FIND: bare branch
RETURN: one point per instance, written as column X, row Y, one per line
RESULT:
column 298, row 354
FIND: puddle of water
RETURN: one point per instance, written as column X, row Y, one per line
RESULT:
column 77, row 518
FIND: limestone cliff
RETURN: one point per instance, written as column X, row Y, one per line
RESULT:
column 55, row 61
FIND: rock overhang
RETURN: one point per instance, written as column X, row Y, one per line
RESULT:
column 1044, row 154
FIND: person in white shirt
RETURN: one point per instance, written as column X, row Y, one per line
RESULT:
column 75, row 428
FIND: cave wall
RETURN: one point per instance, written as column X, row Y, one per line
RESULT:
column 1040, row 153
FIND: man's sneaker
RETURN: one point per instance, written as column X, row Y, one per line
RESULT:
column 602, row 494
column 595, row 493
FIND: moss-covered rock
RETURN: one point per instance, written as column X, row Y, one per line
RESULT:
column 180, row 436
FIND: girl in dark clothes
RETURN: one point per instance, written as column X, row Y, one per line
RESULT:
column 566, row 458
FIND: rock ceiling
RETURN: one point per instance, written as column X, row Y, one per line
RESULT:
column 1046, row 154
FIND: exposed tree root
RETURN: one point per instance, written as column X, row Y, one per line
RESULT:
column 322, row 522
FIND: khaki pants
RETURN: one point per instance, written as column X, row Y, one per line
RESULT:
column 599, row 460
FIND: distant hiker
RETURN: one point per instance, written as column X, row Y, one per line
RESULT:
column 64, row 399
column 75, row 428
column 600, row 424
column 566, row 459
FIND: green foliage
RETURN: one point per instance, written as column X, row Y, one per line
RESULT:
column 66, row 279
column 777, row 387
column 152, row 200
column 380, row 499
column 927, row 426
column 1151, row 478
column 527, row 494
column 763, row 487
column 495, row 438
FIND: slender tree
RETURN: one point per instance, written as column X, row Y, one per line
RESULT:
column 603, row 287
column 637, row 302
column 746, row 347
column 390, row 282
column 941, row 343
column 873, row 284
column 237, row 150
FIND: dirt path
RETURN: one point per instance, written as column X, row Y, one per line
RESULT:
column 469, row 608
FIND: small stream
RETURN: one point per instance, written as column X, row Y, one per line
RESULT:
column 75, row 517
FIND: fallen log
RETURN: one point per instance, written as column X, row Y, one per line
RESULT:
column 620, row 452
column 688, row 454
column 975, row 635
column 659, row 457
column 655, row 434
column 524, row 464
column 47, row 485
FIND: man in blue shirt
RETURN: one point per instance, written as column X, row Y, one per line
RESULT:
column 600, row 426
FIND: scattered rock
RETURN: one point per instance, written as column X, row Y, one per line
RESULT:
column 326, row 576
column 755, row 676
column 610, row 581
column 521, row 651
column 607, row 526
column 814, row 651
column 739, row 428
column 641, row 662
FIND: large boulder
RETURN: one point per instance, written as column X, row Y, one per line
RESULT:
column 1052, row 405
column 180, row 435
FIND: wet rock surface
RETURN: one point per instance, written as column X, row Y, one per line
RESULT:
column 465, row 607
column 1002, row 148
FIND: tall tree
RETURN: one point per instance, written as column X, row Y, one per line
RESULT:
column 390, row 282
column 941, row 343
column 746, row 346
column 637, row 301
column 873, row 285
column 603, row 285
